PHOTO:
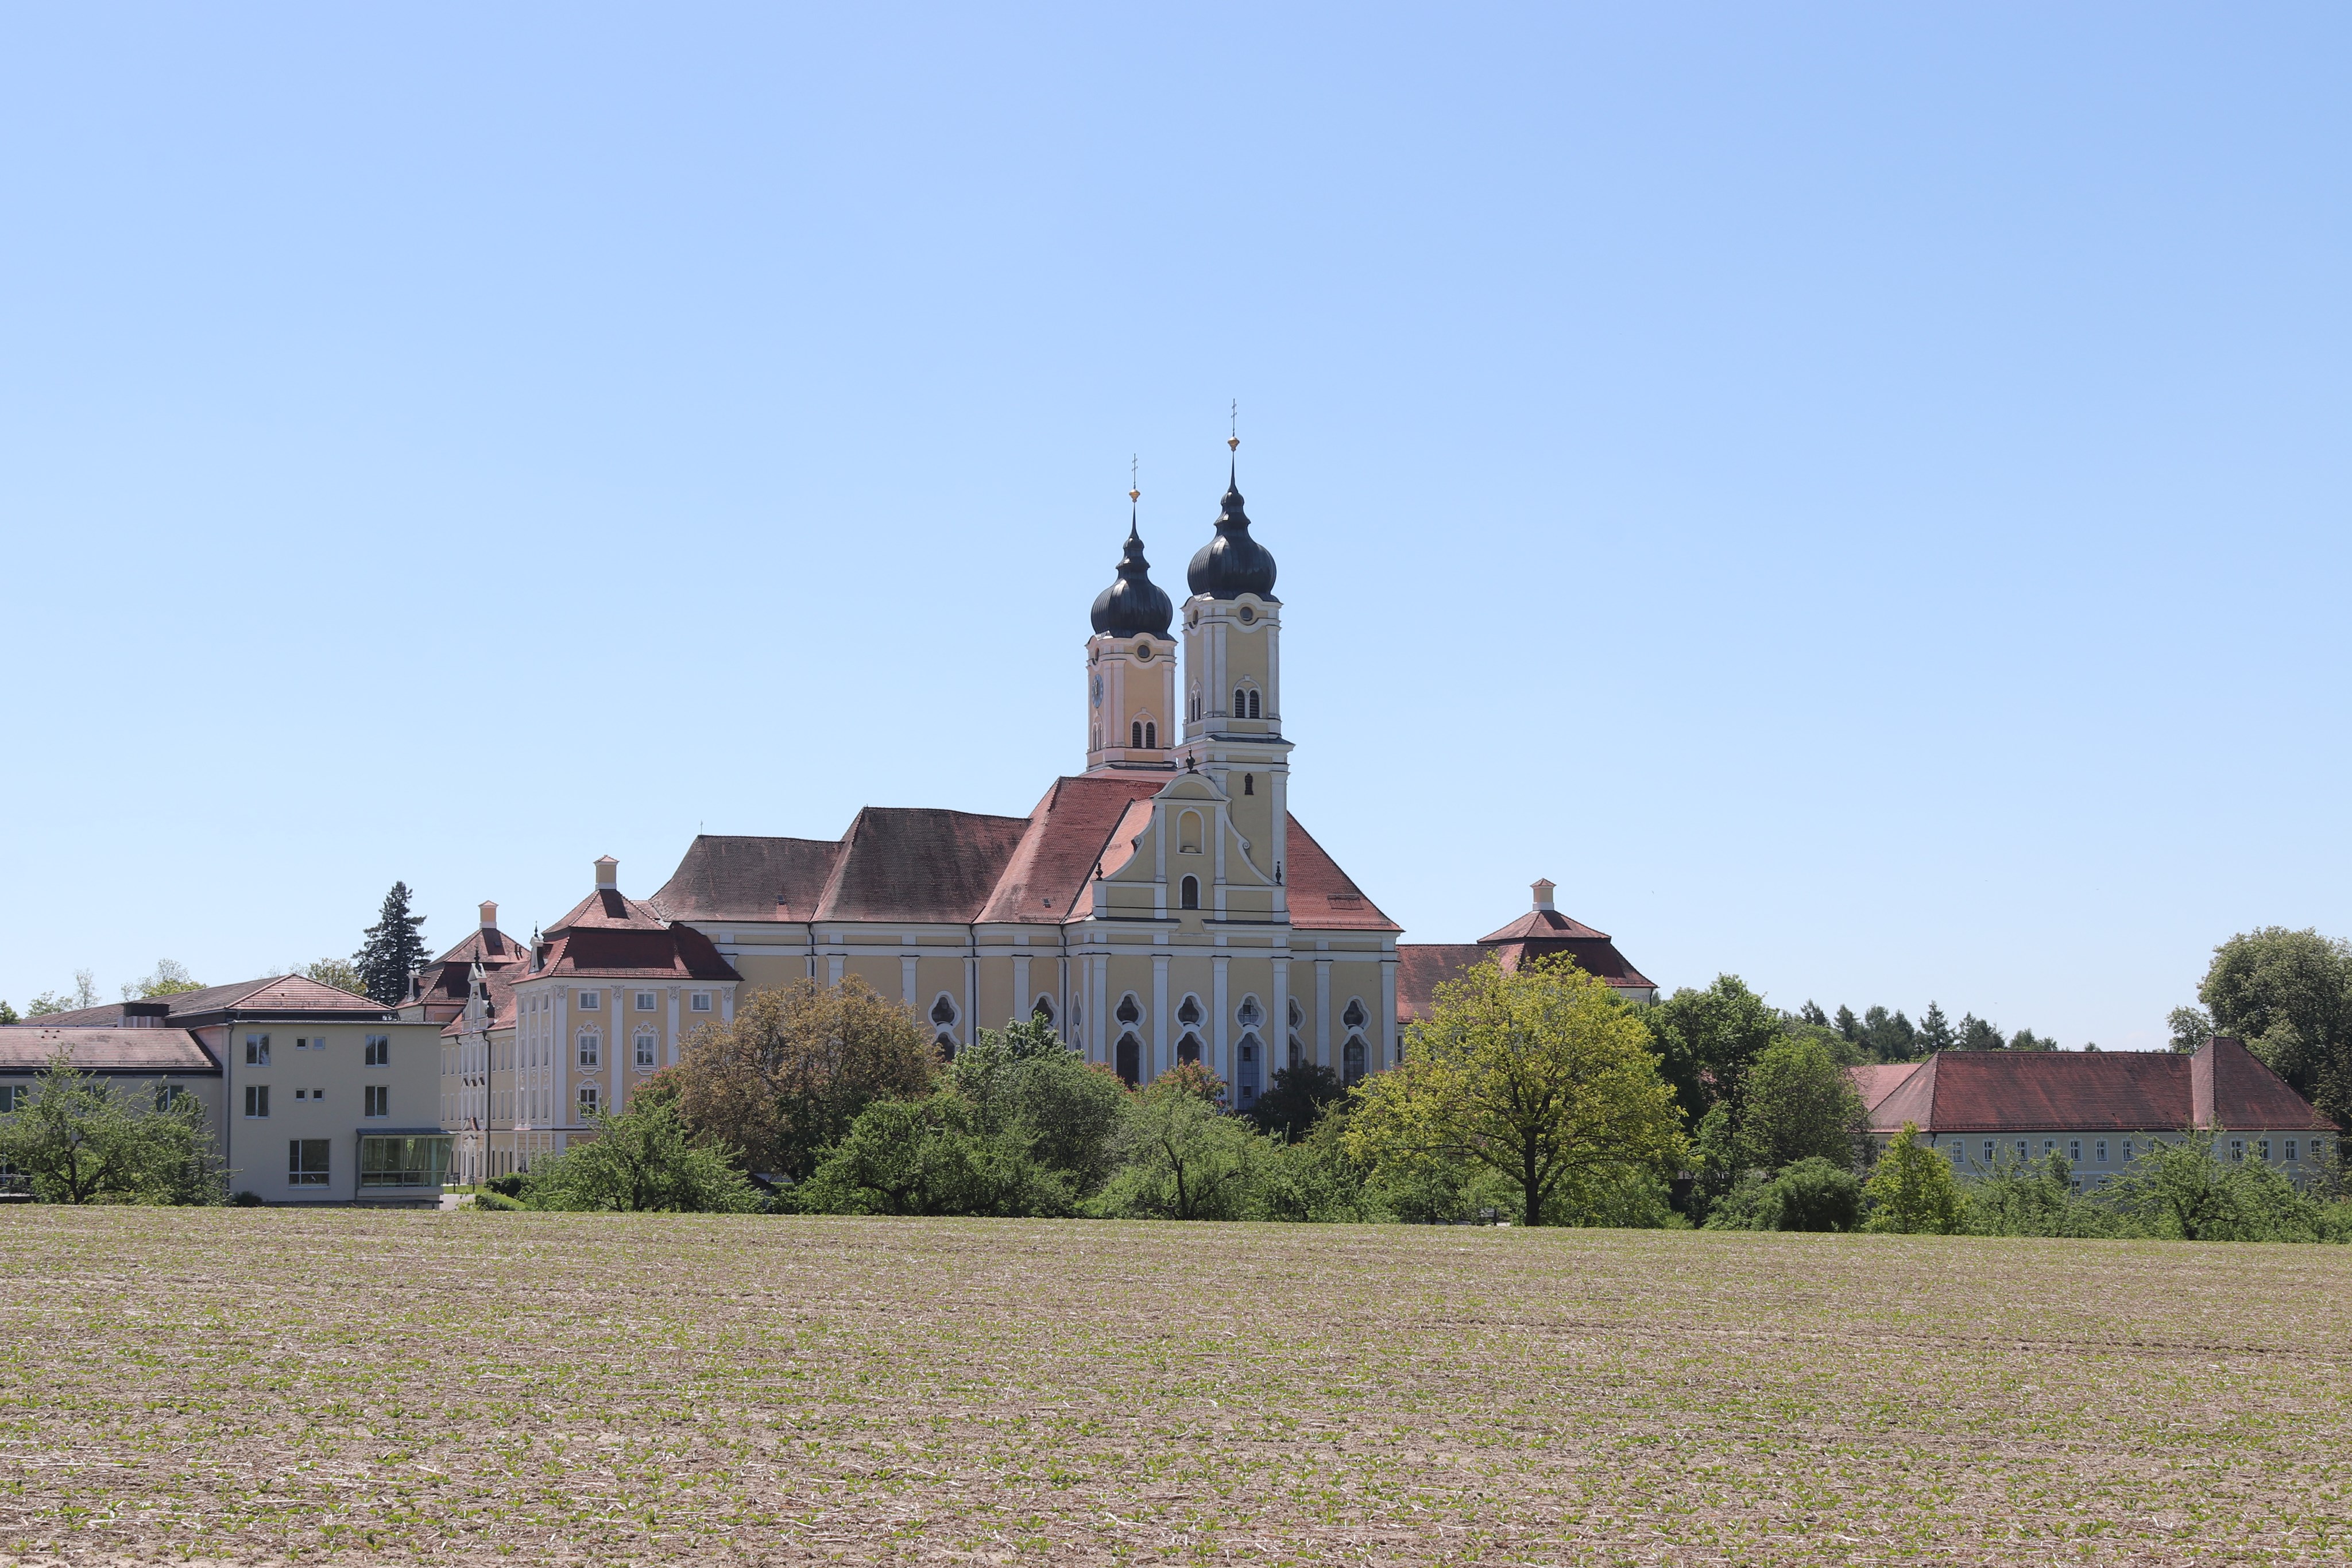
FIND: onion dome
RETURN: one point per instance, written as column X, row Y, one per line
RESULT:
column 1134, row 603
column 1233, row 563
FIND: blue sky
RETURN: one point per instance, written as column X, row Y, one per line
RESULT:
column 1856, row 495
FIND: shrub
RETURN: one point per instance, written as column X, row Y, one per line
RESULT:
column 1912, row 1190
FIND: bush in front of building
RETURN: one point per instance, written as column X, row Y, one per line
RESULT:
column 82, row 1139
column 1912, row 1190
column 645, row 1160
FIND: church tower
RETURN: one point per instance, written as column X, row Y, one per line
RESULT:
column 1132, row 711
column 1233, row 684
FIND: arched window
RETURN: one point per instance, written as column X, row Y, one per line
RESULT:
column 1188, row 833
column 1134, row 734
column 1355, row 1017
column 1044, row 1011
column 1249, row 1015
column 1297, row 1053
column 1354, row 1058
column 1249, row 783
column 1188, row 894
column 1241, row 703
column 1130, row 1061
column 1189, row 1049
column 943, row 1011
column 647, row 1043
column 1297, row 1014
column 1247, row 1069
column 1253, row 703
column 1188, row 1012
column 592, row 1048
column 1129, row 1010
column 1151, row 735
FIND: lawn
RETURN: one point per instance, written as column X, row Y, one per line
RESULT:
column 270, row 1384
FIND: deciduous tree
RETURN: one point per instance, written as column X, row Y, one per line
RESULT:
column 1911, row 1189
column 2288, row 995
column 83, row 1140
column 642, row 1161
column 1801, row 1104
column 789, row 1075
column 1540, row 1075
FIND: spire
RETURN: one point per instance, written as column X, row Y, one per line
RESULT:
column 1233, row 563
column 1133, row 603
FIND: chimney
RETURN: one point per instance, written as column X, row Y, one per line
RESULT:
column 489, row 915
column 608, row 872
column 1543, row 894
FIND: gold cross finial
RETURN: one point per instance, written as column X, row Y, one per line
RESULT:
column 1134, row 491
column 1234, row 439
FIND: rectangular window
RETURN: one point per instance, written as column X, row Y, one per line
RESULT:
column 2127, row 1150
column 15, row 1097
column 591, row 1050
column 1958, row 1151
column 1988, row 1151
column 2264, row 1148
column 2236, row 1151
column 306, row 1162
column 588, row 1100
column 256, row 1099
column 2022, row 1153
column 699, row 1001
column 645, row 1001
column 2289, row 1151
column 392, row 1161
column 645, row 1051
column 2075, row 1150
column 591, row 1001
column 2103, row 1151
column 257, row 1051
column 378, row 1053
column 377, row 1100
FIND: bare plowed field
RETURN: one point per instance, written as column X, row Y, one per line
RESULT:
column 260, row 1386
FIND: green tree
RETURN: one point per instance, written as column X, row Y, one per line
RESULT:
column 394, row 949
column 1707, row 1041
column 1051, row 1106
column 2026, row 1039
column 1296, row 1101
column 1540, row 1075
column 1889, row 1037
column 83, row 995
column 642, row 1161
column 2178, row 1189
column 1912, row 1190
column 1801, row 1104
column 82, row 1140
column 8, row 1015
column 1849, row 1026
column 930, row 1156
column 1976, row 1034
column 1812, row 1013
column 1184, row 1158
column 339, row 973
column 2191, row 1027
column 785, row 1080
column 2288, row 995
column 170, row 980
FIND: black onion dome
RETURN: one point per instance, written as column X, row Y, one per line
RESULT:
column 1233, row 563
column 1133, row 603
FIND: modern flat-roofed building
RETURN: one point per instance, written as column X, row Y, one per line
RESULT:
column 2098, row 1109
column 315, row 1095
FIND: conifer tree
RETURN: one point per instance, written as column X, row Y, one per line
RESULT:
column 393, row 949
column 1936, row 1031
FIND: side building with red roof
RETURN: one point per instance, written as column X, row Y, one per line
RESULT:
column 2099, row 1108
column 1542, row 933
column 316, row 1095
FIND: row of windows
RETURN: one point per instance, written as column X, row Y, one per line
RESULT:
column 384, row 1162
column 1990, row 1149
column 1247, row 704
column 374, row 1051
column 375, row 1099
column 642, row 1001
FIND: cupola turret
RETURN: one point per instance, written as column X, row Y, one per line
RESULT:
column 1133, row 604
column 1233, row 563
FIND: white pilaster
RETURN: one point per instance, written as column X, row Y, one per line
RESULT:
column 1323, row 1012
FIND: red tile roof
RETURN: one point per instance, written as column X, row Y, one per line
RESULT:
column 27, row 1048
column 606, row 909
column 919, row 865
column 1876, row 1080
column 1422, row 966
column 1321, row 896
column 631, row 953
column 727, row 877
column 2223, row 1085
column 279, row 993
column 497, row 986
column 1069, row 834
column 1544, row 925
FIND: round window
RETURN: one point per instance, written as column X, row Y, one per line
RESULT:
column 1143, row 652
column 1248, row 616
